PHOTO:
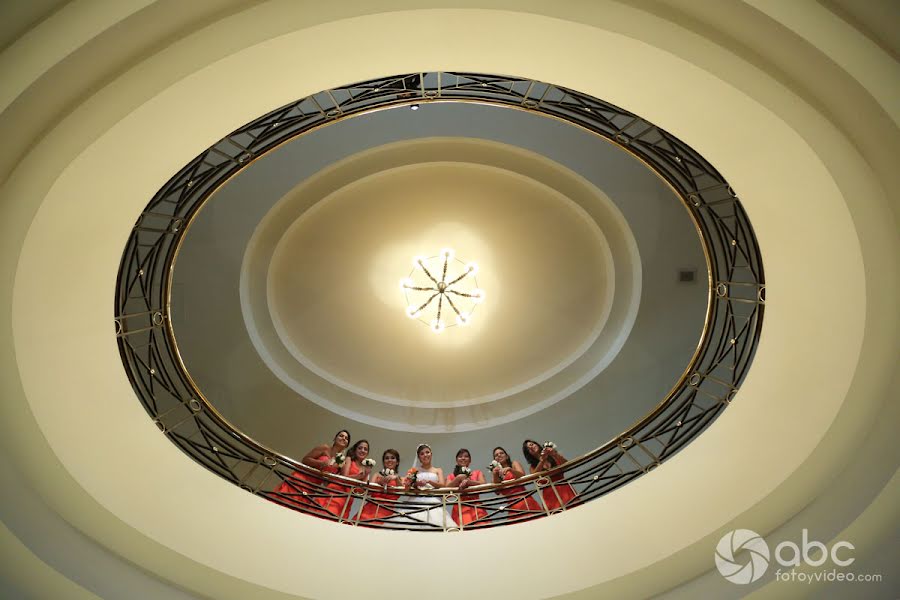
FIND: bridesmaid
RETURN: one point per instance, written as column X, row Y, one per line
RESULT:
column 507, row 470
column 373, row 512
column 544, row 459
column 462, row 480
column 339, row 502
column 354, row 468
column 302, row 487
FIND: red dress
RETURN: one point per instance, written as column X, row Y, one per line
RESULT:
column 302, row 486
column 372, row 513
column 339, row 503
column 523, row 506
column 565, row 493
column 467, row 514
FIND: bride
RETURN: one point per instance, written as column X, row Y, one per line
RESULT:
column 426, row 477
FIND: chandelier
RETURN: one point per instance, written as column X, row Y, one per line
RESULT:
column 439, row 287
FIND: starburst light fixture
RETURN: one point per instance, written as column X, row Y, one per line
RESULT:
column 441, row 286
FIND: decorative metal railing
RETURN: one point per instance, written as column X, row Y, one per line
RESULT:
column 182, row 413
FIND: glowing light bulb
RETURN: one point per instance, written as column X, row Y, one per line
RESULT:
column 472, row 268
column 477, row 295
column 406, row 283
column 411, row 312
column 448, row 253
column 437, row 326
column 463, row 318
column 418, row 261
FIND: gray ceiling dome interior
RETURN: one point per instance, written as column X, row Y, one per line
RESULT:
column 220, row 355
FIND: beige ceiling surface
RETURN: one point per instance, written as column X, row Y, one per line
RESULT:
column 334, row 296
column 831, row 162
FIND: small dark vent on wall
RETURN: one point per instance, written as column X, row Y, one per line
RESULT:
column 687, row 275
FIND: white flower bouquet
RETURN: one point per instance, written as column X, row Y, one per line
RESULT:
column 494, row 465
column 339, row 459
column 387, row 472
column 460, row 470
column 549, row 446
column 368, row 462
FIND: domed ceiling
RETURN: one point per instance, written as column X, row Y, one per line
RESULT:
column 333, row 297
column 288, row 312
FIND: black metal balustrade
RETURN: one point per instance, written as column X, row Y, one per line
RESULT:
column 161, row 382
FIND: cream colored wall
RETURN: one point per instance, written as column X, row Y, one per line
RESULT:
column 827, row 385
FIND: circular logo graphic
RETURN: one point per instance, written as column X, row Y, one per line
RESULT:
column 733, row 543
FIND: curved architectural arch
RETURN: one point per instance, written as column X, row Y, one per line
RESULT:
column 843, row 386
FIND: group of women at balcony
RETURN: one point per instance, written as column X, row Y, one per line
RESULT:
column 387, row 485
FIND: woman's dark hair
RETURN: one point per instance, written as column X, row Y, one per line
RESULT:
column 340, row 431
column 456, row 468
column 508, row 457
column 393, row 453
column 351, row 454
column 534, row 460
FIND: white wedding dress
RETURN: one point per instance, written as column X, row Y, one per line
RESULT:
column 434, row 516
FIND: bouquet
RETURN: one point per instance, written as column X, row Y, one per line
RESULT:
column 494, row 465
column 368, row 462
column 339, row 459
column 460, row 470
column 386, row 472
column 411, row 475
column 549, row 446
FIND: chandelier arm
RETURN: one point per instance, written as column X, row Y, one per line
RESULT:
column 427, row 302
column 458, row 279
column 427, row 272
column 422, row 289
column 461, row 294
column 440, row 304
column 453, row 306
column 444, row 275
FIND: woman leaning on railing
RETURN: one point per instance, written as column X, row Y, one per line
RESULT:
column 382, row 504
column 305, row 489
column 506, row 469
column 390, row 498
column 544, row 458
column 352, row 467
column 463, row 477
